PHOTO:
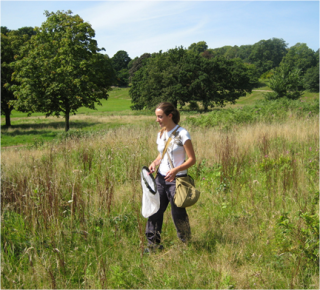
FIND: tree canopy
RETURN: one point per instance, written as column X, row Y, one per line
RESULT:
column 120, row 60
column 179, row 76
column 11, row 41
column 198, row 47
column 61, row 68
column 300, row 56
column 137, row 63
column 311, row 77
column 267, row 54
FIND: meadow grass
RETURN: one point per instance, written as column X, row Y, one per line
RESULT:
column 71, row 202
column 71, row 210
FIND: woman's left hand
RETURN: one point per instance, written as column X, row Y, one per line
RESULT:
column 171, row 174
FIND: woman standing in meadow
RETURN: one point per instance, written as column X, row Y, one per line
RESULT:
column 180, row 146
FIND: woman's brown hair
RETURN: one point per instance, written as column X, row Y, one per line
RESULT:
column 168, row 109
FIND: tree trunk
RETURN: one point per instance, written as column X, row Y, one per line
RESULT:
column 8, row 120
column 67, row 125
column 175, row 103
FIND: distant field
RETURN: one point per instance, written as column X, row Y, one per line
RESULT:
column 118, row 100
column 114, row 112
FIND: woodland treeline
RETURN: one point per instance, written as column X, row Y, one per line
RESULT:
column 58, row 67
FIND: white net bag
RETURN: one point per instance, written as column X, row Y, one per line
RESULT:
column 150, row 195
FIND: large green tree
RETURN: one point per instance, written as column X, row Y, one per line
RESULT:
column 11, row 41
column 180, row 76
column 61, row 68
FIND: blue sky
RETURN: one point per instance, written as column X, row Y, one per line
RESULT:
column 150, row 26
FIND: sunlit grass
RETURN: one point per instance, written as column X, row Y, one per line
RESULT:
column 71, row 210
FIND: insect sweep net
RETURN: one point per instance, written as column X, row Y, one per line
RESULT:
column 150, row 194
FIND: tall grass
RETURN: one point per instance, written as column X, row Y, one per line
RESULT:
column 71, row 216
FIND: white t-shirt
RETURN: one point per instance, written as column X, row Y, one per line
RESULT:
column 175, row 149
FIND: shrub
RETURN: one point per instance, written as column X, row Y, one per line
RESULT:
column 193, row 106
column 285, row 82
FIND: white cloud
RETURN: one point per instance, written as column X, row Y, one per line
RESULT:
column 112, row 15
column 139, row 27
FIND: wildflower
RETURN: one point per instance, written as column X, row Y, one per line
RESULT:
column 266, row 156
column 310, row 148
column 203, row 178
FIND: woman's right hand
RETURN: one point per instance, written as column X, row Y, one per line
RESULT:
column 152, row 167
column 154, row 164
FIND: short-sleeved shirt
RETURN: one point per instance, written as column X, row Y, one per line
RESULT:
column 175, row 149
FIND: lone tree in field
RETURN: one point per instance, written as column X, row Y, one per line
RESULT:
column 60, row 69
column 285, row 82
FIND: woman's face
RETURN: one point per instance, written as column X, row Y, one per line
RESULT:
column 162, row 118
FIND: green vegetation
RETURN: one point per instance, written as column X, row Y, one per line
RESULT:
column 71, row 209
column 71, row 201
column 262, row 111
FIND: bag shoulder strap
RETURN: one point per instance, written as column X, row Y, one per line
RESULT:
column 166, row 147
